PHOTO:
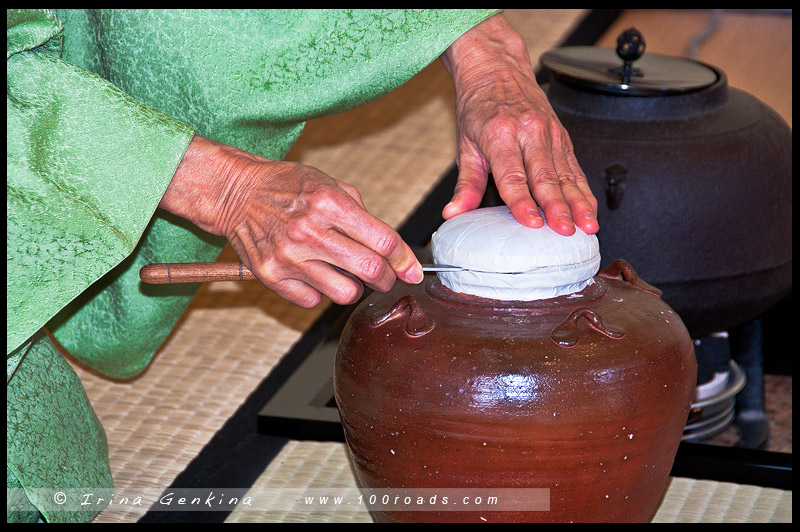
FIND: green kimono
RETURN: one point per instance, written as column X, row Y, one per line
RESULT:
column 101, row 106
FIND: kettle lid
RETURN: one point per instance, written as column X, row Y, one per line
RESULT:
column 627, row 70
column 505, row 260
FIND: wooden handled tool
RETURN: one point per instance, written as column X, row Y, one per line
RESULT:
column 203, row 272
column 195, row 272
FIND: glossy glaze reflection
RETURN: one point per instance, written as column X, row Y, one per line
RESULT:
column 440, row 390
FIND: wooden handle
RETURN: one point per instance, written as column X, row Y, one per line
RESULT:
column 195, row 272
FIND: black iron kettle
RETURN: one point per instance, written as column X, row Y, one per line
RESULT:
column 694, row 177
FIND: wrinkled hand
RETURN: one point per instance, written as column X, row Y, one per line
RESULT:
column 507, row 127
column 301, row 232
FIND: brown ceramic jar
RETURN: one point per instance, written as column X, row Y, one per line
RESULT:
column 585, row 395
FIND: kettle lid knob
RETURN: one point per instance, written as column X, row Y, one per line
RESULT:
column 630, row 45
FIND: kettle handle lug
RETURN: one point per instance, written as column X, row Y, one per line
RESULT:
column 615, row 185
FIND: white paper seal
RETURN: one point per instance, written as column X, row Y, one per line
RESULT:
column 511, row 262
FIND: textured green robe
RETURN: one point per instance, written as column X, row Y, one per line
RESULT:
column 101, row 107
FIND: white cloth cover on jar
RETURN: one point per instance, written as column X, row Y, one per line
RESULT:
column 508, row 261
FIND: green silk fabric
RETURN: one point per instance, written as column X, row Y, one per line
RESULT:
column 101, row 106
column 55, row 443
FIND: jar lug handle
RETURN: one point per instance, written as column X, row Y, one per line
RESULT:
column 620, row 269
column 418, row 323
column 567, row 334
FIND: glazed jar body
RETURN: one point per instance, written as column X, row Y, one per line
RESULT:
column 585, row 395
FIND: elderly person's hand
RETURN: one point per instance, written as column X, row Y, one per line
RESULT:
column 507, row 127
column 301, row 232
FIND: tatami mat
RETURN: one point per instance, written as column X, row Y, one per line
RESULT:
column 306, row 469
column 314, row 469
column 705, row 501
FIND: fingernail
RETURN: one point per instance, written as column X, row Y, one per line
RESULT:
column 535, row 223
column 415, row 275
column 565, row 218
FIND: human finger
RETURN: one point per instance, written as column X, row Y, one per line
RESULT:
column 340, row 287
column 473, row 176
column 378, row 236
column 575, row 191
column 296, row 291
column 352, row 257
column 580, row 197
column 352, row 192
column 547, row 169
column 511, row 177
column 570, row 208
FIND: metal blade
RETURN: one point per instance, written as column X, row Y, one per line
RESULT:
column 440, row 268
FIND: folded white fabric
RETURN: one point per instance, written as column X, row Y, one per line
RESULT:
column 510, row 262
